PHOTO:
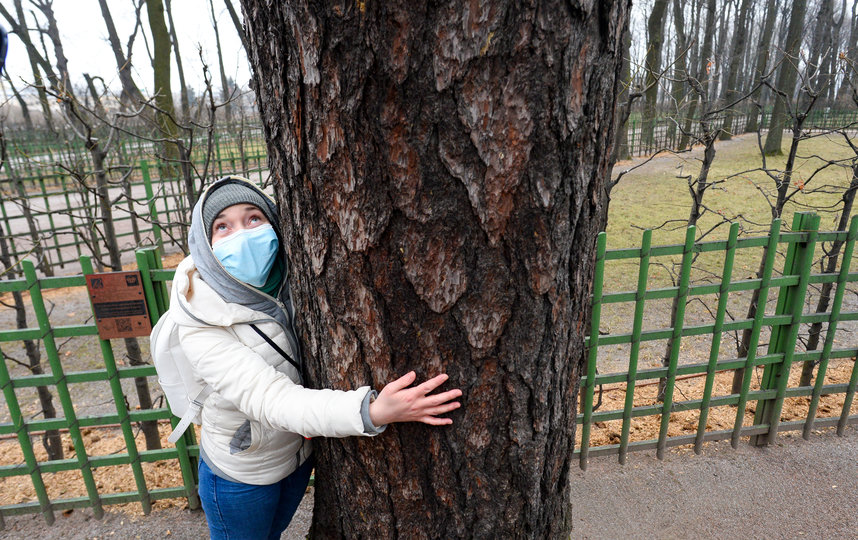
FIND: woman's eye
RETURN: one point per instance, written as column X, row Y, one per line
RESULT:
column 220, row 227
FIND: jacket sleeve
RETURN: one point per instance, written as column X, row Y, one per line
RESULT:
column 244, row 378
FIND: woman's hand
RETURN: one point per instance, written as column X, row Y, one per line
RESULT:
column 397, row 403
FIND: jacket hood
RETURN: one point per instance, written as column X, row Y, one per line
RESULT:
column 222, row 282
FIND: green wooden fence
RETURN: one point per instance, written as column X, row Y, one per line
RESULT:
column 786, row 278
column 787, row 283
column 186, row 451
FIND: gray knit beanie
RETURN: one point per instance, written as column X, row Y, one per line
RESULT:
column 227, row 195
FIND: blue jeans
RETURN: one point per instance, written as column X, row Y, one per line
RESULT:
column 236, row 511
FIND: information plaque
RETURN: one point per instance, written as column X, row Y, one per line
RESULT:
column 119, row 304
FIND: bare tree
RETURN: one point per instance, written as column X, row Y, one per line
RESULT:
column 787, row 74
column 166, row 116
column 38, row 63
column 51, row 438
column 130, row 92
column 224, row 85
column 737, row 52
column 655, row 35
column 183, row 93
column 762, row 61
column 233, row 15
column 702, row 72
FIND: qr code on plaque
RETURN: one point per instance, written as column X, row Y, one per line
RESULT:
column 123, row 324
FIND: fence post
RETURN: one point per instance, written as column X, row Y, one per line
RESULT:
column 634, row 354
column 799, row 261
column 25, row 443
column 34, row 286
column 153, row 208
column 593, row 347
column 833, row 317
column 121, row 410
column 147, row 260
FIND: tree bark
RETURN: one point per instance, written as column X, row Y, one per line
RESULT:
column 441, row 175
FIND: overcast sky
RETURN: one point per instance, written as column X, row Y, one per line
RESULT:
column 84, row 38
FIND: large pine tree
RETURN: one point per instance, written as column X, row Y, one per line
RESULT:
column 440, row 169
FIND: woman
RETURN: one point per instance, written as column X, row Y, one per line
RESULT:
column 236, row 326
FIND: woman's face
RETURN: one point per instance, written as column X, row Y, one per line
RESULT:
column 235, row 218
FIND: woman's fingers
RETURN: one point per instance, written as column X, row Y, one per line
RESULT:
column 437, row 399
column 433, row 383
column 441, row 409
column 435, row 421
column 401, row 382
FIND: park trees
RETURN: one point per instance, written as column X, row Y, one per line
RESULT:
column 440, row 171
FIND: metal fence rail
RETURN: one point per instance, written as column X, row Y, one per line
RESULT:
column 789, row 284
column 675, row 133
column 63, row 214
column 786, row 279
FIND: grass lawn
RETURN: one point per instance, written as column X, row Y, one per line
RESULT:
column 656, row 195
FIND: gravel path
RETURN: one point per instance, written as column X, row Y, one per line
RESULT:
column 793, row 489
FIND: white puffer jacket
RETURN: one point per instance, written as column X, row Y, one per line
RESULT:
column 254, row 387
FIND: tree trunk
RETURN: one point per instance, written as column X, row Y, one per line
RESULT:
column 224, row 85
column 63, row 82
column 130, row 91
column 98, row 106
column 702, row 70
column 233, row 15
column 787, row 74
column 25, row 110
column 163, row 90
column 680, row 73
column 621, row 138
column 174, row 39
column 441, row 171
column 655, row 34
column 731, row 93
column 845, row 91
column 51, row 438
column 18, row 24
column 781, row 189
column 132, row 347
column 762, row 63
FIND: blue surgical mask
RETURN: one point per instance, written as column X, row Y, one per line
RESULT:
column 248, row 254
